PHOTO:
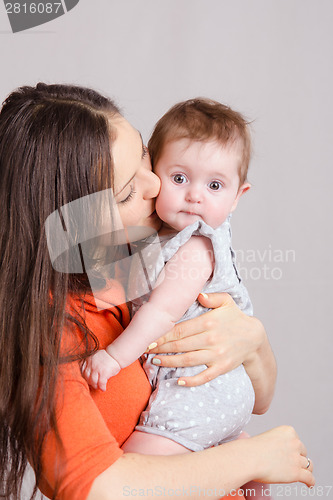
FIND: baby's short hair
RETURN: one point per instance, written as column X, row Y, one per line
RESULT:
column 202, row 119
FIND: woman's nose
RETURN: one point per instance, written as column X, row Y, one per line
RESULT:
column 152, row 185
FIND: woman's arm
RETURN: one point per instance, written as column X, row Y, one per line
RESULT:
column 222, row 339
column 274, row 457
column 261, row 368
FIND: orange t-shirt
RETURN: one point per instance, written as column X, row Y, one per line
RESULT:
column 93, row 424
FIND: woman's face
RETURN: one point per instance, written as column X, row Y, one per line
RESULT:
column 135, row 186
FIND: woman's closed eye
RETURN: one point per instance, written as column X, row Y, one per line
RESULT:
column 128, row 197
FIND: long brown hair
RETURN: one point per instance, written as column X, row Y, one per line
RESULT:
column 54, row 148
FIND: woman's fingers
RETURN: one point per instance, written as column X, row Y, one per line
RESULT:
column 303, row 449
column 306, row 468
column 306, row 473
column 307, row 463
column 192, row 358
column 201, row 378
column 306, row 476
column 186, row 344
column 182, row 330
column 195, row 358
column 221, row 363
column 199, row 324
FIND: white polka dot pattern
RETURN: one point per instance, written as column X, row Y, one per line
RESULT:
column 193, row 416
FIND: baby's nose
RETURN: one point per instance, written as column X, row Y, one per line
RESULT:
column 194, row 195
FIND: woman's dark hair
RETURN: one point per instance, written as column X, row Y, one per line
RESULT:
column 54, row 148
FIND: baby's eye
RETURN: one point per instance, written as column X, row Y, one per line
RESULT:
column 215, row 185
column 179, row 178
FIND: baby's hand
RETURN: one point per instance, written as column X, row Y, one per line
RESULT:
column 98, row 368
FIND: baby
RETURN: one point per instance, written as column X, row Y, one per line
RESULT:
column 200, row 150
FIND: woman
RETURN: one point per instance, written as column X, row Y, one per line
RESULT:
column 59, row 144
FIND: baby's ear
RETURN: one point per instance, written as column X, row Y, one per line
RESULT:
column 242, row 189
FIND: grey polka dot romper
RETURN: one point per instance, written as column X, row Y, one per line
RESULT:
column 216, row 412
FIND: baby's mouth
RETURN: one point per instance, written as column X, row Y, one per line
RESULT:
column 190, row 213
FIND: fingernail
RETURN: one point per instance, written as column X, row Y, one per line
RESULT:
column 152, row 346
column 205, row 296
column 181, row 382
column 156, row 361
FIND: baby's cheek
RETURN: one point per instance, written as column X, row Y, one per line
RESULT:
column 161, row 205
column 219, row 216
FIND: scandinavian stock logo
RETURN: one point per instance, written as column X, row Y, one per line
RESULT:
column 80, row 241
column 26, row 14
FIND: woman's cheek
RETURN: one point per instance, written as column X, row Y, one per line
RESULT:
column 130, row 216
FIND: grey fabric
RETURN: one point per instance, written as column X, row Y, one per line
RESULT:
column 216, row 412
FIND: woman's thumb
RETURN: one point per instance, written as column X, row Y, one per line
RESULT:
column 213, row 300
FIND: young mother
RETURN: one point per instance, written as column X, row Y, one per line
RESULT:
column 58, row 144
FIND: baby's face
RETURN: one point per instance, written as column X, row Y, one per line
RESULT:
column 199, row 181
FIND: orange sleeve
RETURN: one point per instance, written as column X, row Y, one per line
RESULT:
column 88, row 445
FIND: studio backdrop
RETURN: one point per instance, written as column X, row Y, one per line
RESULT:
column 272, row 61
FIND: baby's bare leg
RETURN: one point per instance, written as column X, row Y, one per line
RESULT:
column 152, row 444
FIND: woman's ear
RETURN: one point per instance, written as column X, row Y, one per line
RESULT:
column 242, row 189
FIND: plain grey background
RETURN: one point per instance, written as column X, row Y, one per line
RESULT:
column 271, row 60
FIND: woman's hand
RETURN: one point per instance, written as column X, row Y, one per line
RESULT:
column 281, row 456
column 222, row 339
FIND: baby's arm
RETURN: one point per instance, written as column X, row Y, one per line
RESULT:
column 182, row 280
